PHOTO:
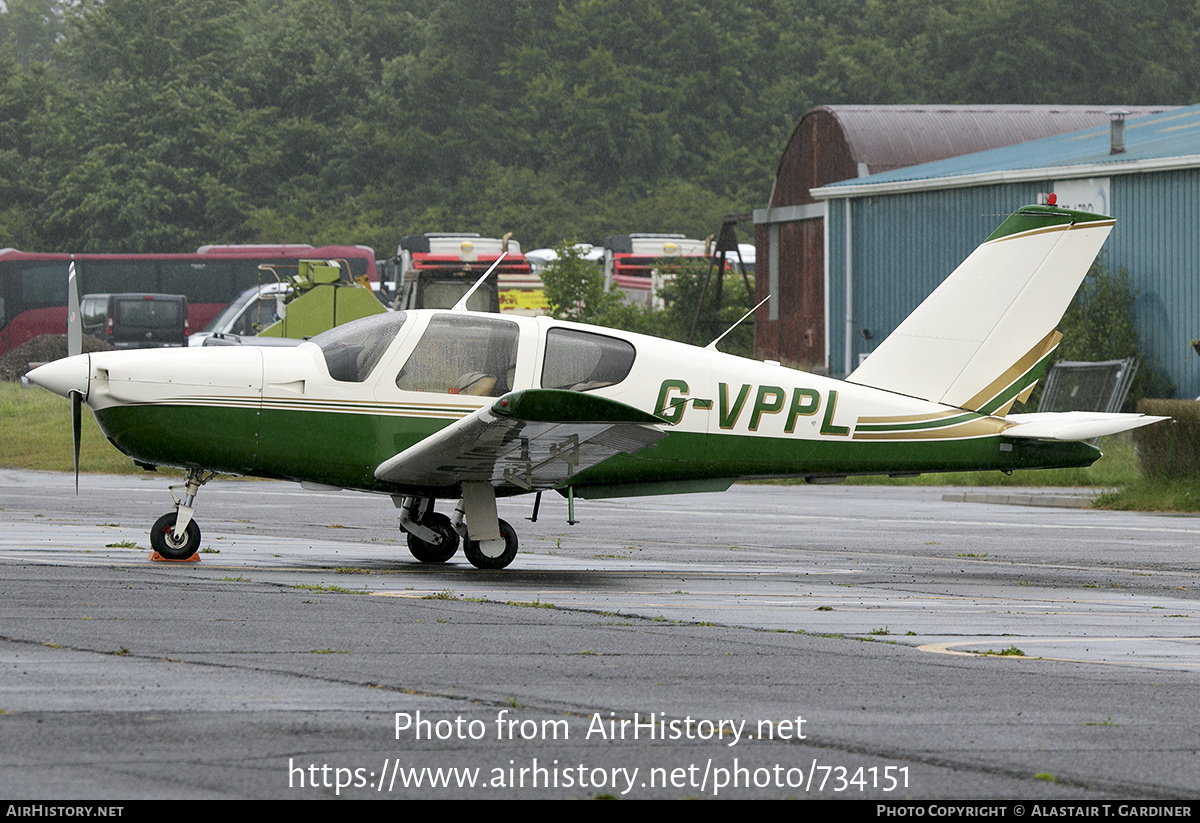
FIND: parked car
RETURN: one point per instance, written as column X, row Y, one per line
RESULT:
column 246, row 315
column 135, row 320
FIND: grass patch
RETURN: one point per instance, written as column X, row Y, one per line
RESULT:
column 37, row 427
column 314, row 587
column 1118, row 467
column 1152, row 495
column 37, row 435
column 1011, row 651
column 1118, row 472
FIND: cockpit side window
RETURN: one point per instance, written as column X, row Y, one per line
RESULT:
column 582, row 361
column 352, row 350
column 463, row 355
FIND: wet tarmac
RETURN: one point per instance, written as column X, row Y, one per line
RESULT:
column 771, row 641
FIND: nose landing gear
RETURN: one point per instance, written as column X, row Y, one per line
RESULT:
column 175, row 535
column 163, row 540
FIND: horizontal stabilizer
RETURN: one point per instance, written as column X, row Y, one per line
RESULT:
column 982, row 338
column 531, row 440
column 1076, row 425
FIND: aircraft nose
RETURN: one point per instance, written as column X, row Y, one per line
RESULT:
column 64, row 376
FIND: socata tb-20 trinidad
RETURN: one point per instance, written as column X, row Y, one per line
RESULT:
column 454, row 405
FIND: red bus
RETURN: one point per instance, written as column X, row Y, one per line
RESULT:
column 33, row 286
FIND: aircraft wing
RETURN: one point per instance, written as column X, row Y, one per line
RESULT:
column 1075, row 425
column 532, row 440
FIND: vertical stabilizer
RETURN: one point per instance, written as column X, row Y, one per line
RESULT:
column 982, row 339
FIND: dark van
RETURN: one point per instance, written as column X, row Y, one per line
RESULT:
column 135, row 320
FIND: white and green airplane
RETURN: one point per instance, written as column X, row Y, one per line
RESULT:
column 454, row 405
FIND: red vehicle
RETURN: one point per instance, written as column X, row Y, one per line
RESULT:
column 33, row 286
column 632, row 264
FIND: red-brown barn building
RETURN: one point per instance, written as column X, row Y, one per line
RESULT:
column 833, row 143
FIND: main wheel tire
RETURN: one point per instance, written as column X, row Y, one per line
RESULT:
column 481, row 561
column 438, row 552
column 162, row 538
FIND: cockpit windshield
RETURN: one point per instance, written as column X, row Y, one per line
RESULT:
column 463, row 354
column 581, row 361
column 352, row 350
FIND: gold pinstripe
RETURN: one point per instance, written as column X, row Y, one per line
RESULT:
column 1014, row 372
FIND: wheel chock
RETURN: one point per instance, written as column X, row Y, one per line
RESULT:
column 155, row 557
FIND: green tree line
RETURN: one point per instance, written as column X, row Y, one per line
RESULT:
column 159, row 125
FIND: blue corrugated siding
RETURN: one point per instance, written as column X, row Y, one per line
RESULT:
column 905, row 245
column 835, row 293
column 1157, row 240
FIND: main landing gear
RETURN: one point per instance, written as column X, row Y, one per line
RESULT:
column 431, row 536
column 175, row 535
column 507, row 552
column 434, row 537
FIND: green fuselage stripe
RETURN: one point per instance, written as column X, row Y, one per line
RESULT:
column 1019, row 385
column 343, row 449
column 941, row 422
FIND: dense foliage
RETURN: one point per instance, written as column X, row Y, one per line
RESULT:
column 1100, row 324
column 158, row 125
column 574, row 288
column 1170, row 450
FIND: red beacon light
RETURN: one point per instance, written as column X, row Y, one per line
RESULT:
column 1052, row 199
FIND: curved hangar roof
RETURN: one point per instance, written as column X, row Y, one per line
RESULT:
column 833, row 143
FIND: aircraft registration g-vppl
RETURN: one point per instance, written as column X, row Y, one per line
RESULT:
column 454, row 405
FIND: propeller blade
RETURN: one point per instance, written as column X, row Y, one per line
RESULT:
column 74, row 321
column 76, row 415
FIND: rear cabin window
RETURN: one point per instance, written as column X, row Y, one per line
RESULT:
column 463, row 355
column 352, row 350
column 582, row 361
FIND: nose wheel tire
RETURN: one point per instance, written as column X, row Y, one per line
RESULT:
column 481, row 561
column 438, row 552
column 162, row 538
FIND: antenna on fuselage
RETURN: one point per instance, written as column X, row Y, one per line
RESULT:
column 713, row 344
column 461, row 305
